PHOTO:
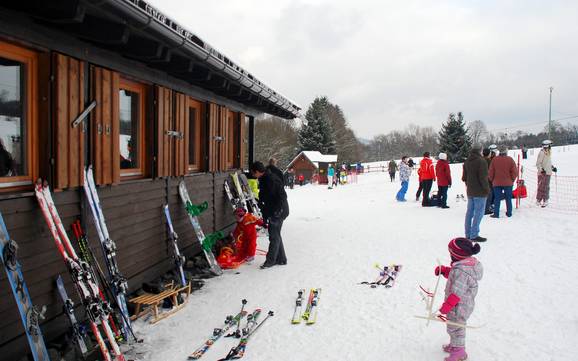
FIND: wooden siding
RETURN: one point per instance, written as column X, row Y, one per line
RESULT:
column 69, row 100
column 105, row 126
column 133, row 211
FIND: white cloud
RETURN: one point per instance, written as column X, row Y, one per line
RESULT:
column 390, row 63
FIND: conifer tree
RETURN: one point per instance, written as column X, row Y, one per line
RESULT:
column 316, row 134
column 454, row 139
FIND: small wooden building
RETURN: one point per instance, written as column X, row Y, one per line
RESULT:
column 168, row 107
column 311, row 163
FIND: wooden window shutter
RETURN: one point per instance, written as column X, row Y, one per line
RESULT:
column 69, row 142
column 105, row 126
column 213, row 133
column 242, row 143
column 182, row 126
column 165, row 143
column 225, row 138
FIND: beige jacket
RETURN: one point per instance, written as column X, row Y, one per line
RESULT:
column 544, row 162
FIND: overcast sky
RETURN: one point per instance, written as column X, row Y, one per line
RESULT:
column 391, row 63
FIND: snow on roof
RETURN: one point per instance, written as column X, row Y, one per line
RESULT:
column 315, row 157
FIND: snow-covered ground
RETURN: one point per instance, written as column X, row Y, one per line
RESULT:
column 333, row 237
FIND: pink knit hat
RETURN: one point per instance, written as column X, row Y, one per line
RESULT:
column 461, row 248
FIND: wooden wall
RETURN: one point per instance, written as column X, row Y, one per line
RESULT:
column 135, row 220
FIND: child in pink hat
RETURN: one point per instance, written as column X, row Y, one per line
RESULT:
column 461, row 290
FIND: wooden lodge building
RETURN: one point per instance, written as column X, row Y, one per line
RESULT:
column 311, row 163
column 164, row 106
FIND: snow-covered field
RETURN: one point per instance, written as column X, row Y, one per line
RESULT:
column 527, row 298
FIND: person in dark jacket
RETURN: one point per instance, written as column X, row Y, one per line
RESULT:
column 444, row 177
column 273, row 167
column 475, row 175
column 488, row 156
column 275, row 209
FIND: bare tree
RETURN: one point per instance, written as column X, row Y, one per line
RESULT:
column 478, row 131
column 275, row 137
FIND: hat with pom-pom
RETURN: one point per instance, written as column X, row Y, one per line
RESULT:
column 461, row 248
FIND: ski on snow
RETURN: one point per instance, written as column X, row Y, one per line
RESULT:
column 116, row 280
column 297, row 314
column 252, row 326
column 214, row 266
column 310, row 314
column 86, row 287
column 387, row 276
column 173, row 238
column 230, row 321
column 29, row 314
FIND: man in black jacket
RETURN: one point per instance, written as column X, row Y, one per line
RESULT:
column 275, row 208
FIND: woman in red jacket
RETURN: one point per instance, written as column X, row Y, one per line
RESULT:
column 444, row 179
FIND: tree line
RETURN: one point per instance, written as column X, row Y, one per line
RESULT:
column 326, row 129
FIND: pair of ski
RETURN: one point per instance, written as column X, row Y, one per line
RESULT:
column 241, row 195
column 29, row 314
column 387, row 276
column 429, row 298
column 310, row 314
column 88, row 290
column 230, row 322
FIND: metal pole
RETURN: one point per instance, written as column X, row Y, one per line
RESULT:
column 550, row 116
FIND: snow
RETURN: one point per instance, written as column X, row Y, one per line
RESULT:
column 332, row 238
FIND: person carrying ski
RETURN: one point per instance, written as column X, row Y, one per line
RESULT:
column 275, row 209
column 461, row 289
column 404, row 173
column 545, row 170
column 444, row 176
column 392, row 168
column 502, row 173
column 427, row 176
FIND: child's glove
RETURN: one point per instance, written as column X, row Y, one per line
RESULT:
column 554, row 169
column 449, row 304
column 444, row 270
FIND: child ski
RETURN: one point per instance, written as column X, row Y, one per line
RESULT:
column 29, row 314
column 68, row 307
column 239, row 190
column 116, row 279
column 250, row 197
column 173, row 237
column 86, row 287
column 310, row 314
column 184, row 194
column 297, row 315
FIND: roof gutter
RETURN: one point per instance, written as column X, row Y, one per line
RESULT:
column 143, row 16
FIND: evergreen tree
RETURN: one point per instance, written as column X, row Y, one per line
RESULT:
column 454, row 139
column 317, row 134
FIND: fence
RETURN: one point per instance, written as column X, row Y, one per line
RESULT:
column 563, row 191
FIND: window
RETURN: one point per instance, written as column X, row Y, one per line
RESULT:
column 131, row 130
column 17, row 112
column 195, row 137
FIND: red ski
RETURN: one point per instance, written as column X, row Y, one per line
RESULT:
column 87, row 289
